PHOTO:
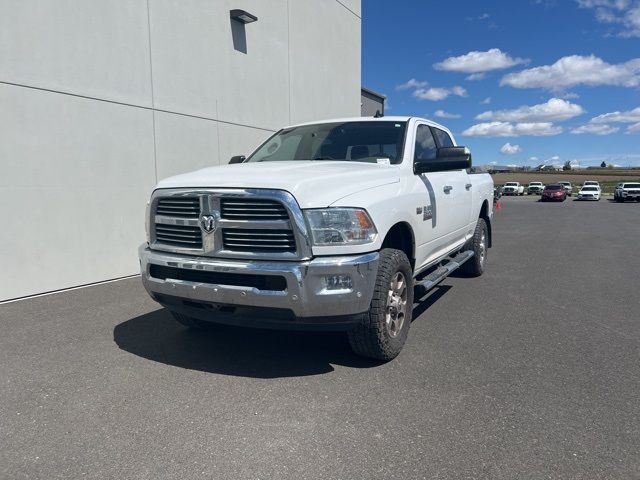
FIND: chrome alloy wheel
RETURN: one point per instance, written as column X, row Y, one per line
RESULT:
column 482, row 248
column 396, row 304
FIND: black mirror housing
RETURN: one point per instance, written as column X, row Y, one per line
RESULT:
column 447, row 158
column 237, row 159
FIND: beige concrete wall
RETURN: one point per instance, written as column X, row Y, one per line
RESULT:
column 99, row 99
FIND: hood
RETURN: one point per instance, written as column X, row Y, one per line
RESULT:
column 313, row 183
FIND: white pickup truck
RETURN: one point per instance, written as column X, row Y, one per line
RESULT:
column 513, row 188
column 327, row 225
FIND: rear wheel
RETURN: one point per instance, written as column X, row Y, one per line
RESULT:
column 384, row 330
column 479, row 243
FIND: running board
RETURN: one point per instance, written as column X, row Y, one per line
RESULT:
column 442, row 272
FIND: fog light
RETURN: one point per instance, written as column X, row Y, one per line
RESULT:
column 337, row 282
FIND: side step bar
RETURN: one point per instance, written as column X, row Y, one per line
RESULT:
column 442, row 272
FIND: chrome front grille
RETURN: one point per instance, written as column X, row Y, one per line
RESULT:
column 182, row 207
column 256, row 240
column 252, row 209
column 186, row 236
column 229, row 223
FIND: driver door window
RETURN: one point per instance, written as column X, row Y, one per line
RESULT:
column 425, row 148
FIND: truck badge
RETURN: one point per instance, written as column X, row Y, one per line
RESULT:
column 428, row 213
column 209, row 223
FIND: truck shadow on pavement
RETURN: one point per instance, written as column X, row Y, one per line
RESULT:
column 244, row 352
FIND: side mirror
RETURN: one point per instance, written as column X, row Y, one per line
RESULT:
column 237, row 159
column 447, row 158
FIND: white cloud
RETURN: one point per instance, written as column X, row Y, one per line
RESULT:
column 476, row 76
column 443, row 114
column 533, row 159
column 506, row 129
column 630, row 116
column 595, row 129
column 621, row 12
column 576, row 70
column 632, row 129
column 493, row 163
column 508, row 149
column 555, row 110
column 570, row 96
column 477, row 62
column 484, row 16
column 436, row 93
column 486, row 101
column 412, row 83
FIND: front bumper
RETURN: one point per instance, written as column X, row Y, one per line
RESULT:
column 305, row 295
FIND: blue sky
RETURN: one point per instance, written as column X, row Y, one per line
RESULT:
column 523, row 82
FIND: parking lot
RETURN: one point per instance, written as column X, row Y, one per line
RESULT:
column 530, row 371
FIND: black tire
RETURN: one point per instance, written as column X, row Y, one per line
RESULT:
column 474, row 267
column 376, row 336
column 619, row 200
column 194, row 323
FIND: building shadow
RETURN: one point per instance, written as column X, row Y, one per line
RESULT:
column 244, row 352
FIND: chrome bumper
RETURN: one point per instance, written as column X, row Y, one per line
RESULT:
column 305, row 295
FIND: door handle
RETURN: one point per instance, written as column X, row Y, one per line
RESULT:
column 447, row 188
column 468, row 186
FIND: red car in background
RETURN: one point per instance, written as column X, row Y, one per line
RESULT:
column 554, row 192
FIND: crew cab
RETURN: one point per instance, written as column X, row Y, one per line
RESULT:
column 627, row 191
column 327, row 225
column 513, row 188
column 535, row 188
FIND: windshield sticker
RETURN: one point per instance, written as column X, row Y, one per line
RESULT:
column 383, row 161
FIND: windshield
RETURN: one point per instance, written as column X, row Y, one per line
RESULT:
column 631, row 185
column 535, row 184
column 566, row 184
column 510, row 184
column 591, row 183
column 366, row 141
column 589, row 189
column 554, row 187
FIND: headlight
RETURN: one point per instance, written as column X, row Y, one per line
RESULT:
column 340, row 226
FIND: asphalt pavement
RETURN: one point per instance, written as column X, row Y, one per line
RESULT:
column 531, row 371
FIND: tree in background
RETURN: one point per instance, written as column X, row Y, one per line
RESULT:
column 603, row 165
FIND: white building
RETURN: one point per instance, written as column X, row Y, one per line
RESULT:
column 99, row 99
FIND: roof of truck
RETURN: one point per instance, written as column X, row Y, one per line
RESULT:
column 371, row 119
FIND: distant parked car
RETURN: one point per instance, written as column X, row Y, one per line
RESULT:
column 589, row 192
column 535, row 188
column 567, row 186
column 554, row 193
column 592, row 183
column 513, row 188
column 627, row 191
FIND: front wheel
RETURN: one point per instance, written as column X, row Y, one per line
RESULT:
column 384, row 330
